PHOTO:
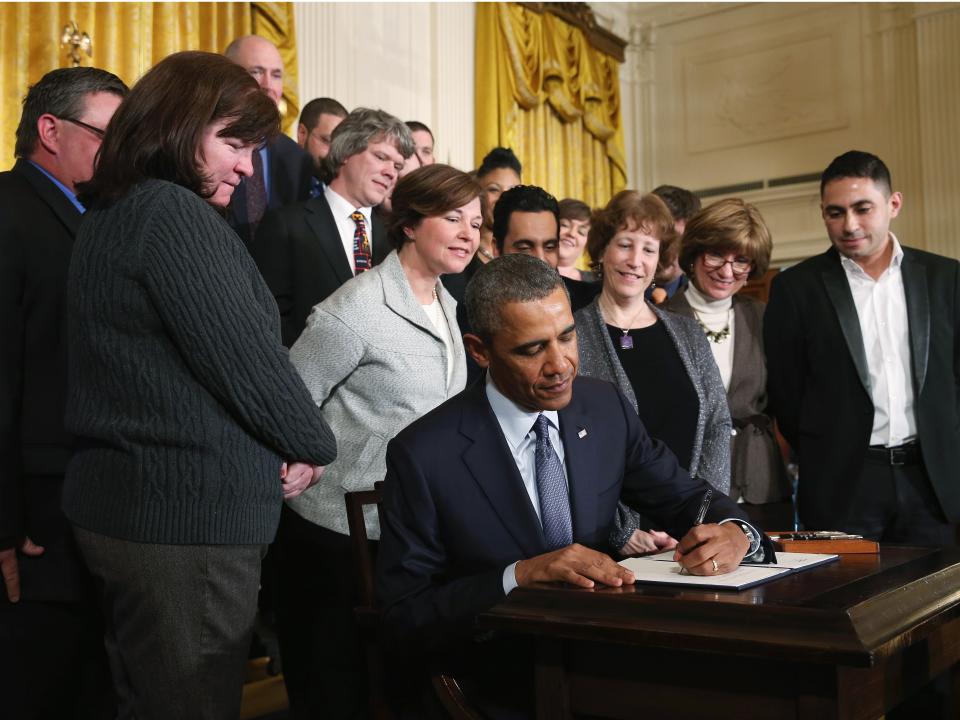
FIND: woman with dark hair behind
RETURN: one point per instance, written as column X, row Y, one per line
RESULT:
column 725, row 245
column 183, row 401
column 660, row 361
column 380, row 352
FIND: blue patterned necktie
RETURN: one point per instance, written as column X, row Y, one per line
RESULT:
column 552, row 489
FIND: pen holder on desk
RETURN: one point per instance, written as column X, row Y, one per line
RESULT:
column 813, row 542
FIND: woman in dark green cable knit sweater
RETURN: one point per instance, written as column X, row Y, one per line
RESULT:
column 182, row 397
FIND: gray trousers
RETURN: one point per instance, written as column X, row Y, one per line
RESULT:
column 178, row 624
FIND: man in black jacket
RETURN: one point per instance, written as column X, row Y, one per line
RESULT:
column 52, row 662
column 306, row 251
column 864, row 369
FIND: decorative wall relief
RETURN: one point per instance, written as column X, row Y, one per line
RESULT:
column 777, row 90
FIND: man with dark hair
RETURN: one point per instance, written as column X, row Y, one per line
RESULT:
column 683, row 205
column 527, row 220
column 423, row 140
column 318, row 119
column 863, row 369
column 515, row 481
column 282, row 172
column 52, row 662
column 308, row 250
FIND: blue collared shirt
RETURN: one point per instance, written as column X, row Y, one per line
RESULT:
column 63, row 188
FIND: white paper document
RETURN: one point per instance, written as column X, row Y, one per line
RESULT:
column 661, row 568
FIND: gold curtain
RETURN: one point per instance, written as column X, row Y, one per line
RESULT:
column 128, row 38
column 545, row 92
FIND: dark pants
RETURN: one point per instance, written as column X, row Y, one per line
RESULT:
column 52, row 662
column 896, row 504
column 323, row 661
column 178, row 624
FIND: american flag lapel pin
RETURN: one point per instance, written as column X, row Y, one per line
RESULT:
column 582, row 434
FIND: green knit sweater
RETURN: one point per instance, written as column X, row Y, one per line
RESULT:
column 181, row 396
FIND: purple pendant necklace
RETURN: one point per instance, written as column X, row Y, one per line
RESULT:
column 625, row 340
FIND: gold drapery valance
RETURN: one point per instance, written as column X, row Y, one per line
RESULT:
column 128, row 39
column 543, row 90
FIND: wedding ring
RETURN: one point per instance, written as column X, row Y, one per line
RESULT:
column 716, row 568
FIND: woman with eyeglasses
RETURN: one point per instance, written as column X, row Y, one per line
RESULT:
column 660, row 361
column 724, row 246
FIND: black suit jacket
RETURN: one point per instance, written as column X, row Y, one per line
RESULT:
column 300, row 255
column 456, row 513
column 818, row 378
column 291, row 169
column 37, row 227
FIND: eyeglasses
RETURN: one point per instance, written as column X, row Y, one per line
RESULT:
column 95, row 130
column 740, row 265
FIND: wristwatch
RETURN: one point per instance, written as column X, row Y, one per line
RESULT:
column 752, row 537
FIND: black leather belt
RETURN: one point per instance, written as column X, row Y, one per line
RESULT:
column 908, row 454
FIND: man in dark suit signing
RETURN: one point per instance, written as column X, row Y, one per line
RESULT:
column 516, row 481
column 308, row 250
column 863, row 367
column 51, row 646
column 283, row 173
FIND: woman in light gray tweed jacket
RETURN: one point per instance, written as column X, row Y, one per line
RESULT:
column 661, row 362
column 380, row 352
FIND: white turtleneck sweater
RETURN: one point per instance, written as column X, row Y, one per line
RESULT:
column 715, row 314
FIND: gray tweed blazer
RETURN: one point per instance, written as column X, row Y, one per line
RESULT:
column 710, row 459
column 374, row 363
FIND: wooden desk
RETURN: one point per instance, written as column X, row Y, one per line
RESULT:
column 846, row 640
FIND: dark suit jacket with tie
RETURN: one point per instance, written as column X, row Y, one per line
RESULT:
column 301, row 256
column 818, row 378
column 291, row 171
column 37, row 228
column 456, row 513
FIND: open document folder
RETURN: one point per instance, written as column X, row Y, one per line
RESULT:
column 661, row 568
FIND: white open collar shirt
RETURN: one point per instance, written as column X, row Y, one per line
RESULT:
column 882, row 310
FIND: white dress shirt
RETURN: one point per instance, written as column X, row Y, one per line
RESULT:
column 517, row 426
column 342, row 210
column 882, row 310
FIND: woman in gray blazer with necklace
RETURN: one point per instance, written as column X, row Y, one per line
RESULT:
column 380, row 352
column 660, row 361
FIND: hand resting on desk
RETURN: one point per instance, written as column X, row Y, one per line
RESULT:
column 725, row 544
column 574, row 564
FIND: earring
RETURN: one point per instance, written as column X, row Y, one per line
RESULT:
column 653, row 285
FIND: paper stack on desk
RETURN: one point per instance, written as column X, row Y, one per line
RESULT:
column 662, row 569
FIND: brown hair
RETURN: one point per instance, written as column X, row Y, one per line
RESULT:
column 427, row 192
column 157, row 130
column 573, row 209
column 728, row 226
column 631, row 209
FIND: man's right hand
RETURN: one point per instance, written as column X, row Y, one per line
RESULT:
column 11, row 569
column 574, row 564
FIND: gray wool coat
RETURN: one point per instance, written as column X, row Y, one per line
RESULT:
column 710, row 459
column 374, row 363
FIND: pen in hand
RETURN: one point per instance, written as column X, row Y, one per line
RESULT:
column 701, row 516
